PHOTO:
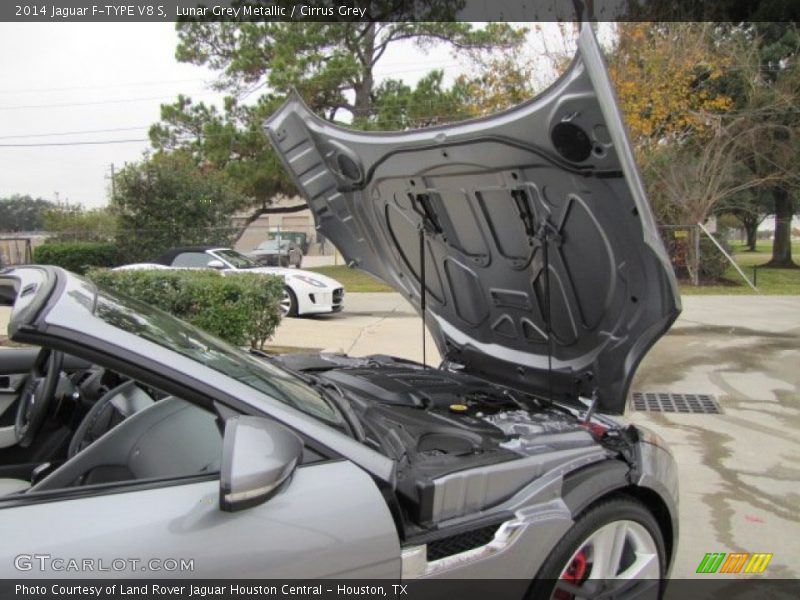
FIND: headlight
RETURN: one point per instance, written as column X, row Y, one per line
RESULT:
column 309, row 281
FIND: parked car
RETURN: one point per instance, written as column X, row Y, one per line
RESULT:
column 271, row 253
column 537, row 266
column 298, row 238
column 306, row 292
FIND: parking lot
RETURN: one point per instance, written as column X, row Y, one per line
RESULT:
column 739, row 470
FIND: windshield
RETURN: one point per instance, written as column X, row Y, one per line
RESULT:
column 239, row 261
column 165, row 330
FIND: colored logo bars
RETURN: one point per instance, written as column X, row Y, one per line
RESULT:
column 735, row 562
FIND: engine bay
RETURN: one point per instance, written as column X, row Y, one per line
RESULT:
column 436, row 422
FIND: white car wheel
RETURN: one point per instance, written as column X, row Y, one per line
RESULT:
column 288, row 303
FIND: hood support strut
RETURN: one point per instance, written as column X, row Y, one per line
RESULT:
column 422, row 289
column 544, row 238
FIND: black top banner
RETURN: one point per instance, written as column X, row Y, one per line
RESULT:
column 397, row 10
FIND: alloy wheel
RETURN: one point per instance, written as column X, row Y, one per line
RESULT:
column 286, row 303
column 609, row 561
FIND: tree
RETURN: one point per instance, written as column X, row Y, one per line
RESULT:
column 749, row 208
column 324, row 61
column 74, row 222
column 697, row 176
column 502, row 81
column 398, row 106
column 773, row 97
column 22, row 213
column 666, row 77
column 717, row 116
column 167, row 200
column 332, row 66
column 764, row 84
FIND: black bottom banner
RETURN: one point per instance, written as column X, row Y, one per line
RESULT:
column 462, row 589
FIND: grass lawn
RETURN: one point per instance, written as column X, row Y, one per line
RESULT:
column 768, row 281
column 289, row 349
column 353, row 280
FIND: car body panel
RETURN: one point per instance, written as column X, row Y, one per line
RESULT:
column 543, row 267
column 331, row 511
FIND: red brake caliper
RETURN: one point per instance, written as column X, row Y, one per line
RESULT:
column 574, row 574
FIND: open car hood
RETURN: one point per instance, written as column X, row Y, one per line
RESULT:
column 543, row 196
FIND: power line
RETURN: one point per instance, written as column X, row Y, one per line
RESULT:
column 95, row 103
column 162, row 82
column 60, row 133
column 95, row 143
column 99, row 87
column 402, row 122
column 388, row 74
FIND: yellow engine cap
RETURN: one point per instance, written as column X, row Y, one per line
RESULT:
column 459, row 407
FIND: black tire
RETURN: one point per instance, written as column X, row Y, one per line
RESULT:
column 292, row 308
column 614, row 508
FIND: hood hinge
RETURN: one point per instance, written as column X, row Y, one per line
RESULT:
column 591, row 406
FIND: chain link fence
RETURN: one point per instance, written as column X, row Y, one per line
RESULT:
column 694, row 257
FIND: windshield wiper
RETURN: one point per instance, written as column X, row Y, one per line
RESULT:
column 338, row 399
column 327, row 388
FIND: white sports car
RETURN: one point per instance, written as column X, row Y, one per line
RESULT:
column 305, row 293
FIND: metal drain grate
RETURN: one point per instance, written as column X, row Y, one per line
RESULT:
column 704, row 404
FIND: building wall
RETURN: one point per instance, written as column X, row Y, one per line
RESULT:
column 257, row 231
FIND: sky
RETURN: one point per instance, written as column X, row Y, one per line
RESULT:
column 64, row 87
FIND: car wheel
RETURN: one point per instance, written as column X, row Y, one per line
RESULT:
column 288, row 303
column 615, row 549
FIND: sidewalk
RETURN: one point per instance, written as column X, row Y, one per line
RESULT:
column 5, row 313
column 371, row 323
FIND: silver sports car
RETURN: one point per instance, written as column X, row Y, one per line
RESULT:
column 526, row 241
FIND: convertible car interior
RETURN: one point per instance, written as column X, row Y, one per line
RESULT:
column 67, row 423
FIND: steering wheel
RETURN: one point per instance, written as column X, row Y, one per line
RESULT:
column 37, row 395
column 112, row 408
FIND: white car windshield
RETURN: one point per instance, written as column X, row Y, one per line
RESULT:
column 238, row 261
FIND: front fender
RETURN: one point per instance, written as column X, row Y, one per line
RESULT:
column 653, row 480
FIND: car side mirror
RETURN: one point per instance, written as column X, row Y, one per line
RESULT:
column 215, row 264
column 258, row 457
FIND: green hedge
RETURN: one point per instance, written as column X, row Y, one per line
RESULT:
column 240, row 308
column 77, row 256
column 713, row 263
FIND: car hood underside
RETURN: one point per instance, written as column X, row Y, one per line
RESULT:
column 542, row 265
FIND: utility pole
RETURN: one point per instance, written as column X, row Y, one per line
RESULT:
column 113, row 185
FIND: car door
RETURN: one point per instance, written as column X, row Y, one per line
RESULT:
column 330, row 520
